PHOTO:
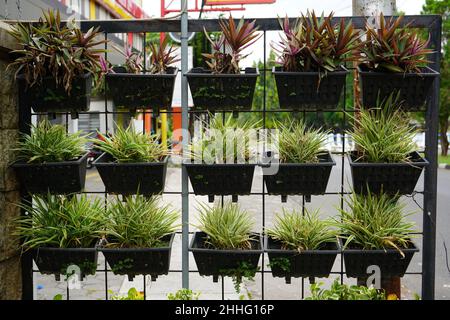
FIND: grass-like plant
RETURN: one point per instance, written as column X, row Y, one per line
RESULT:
column 340, row 291
column 60, row 222
column 161, row 57
column 299, row 143
column 223, row 139
column 301, row 232
column 375, row 222
column 138, row 222
column 50, row 143
column 227, row 226
column 128, row 145
column 383, row 134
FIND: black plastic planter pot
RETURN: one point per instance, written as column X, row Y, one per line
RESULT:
column 145, row 178
column 57, row 261
column 134, row 91
column 54, row 177
column 390, row 178
column 414, row 87
column 309, row 263
column 222, row 92
column 390, row 262
column 221, row 179
column 136, row 261
column 52, row 98
column 302, row 91
column 215, row 262
column 300, row 178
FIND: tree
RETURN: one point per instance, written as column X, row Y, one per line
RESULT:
column 442, row 7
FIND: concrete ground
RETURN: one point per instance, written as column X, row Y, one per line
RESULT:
column 93, row 287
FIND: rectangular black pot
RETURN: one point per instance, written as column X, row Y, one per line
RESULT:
column 301, row 178
column 222, row 92
column 54, row 177
column 136, row 261
column 301, row 90
column 292, row 263
column 390, row 261
column 49, row 97
column 135, row 91
column 215, row 262
column 57, row 260
column 221, row 179
column 145, row 178
column 391, row 178
column 415, row 88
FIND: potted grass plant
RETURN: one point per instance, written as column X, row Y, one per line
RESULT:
column 220, row 161
column 138, row 236
column 301, row 245
column 312, row 53
column 385, row 158
column 393, row 59
column 340, row 291
column 61, row 231
column 223, row 87
column 304, row 166
column 51, row 160
column 225, row 244
column 132, row 162
column 57, row 65
column 375, row 232
column 133, row 86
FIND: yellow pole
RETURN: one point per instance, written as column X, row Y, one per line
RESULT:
column 92, row 9
column 164, row 129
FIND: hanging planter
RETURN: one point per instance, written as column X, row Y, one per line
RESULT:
column 309, row 90
column 222, row 92
column 300, row 178
column 390, row 178
column 390, row 261
column 217, row 262
column 134, row 91
column 146, row 178
column 137, row 261
column 57, row 260
column 414, row 88
column 55, row 177
column 294, row 264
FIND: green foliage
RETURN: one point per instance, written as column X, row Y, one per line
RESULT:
column 129, row 146
column 53, row 49
column 282, row 263
column 394, row 49
column 60, row 222
column 301, row 232
column 138, row 222
column 298, row 143
column 161, row 58
column 236, row 38
column 316, row 44
column 132, row 294
column 227, row 226
column 58, row 297
column 383, row 134
column 375, row 222
column 340, row 291
column 211, row 146
column 50, row 143
column 244, row 271
column 183, row 294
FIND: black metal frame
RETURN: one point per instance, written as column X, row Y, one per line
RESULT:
column 432, row 22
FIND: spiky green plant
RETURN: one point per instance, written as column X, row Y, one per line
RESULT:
column 383, row 134
column 211, row 146
column 60, row 222
column 138, row 222
column 394, row 49
column 128, row 145
column 226, row 227
column 299, row 143
column 301, row 232
column 50, row 143
column 375, row 222
column 340, row 291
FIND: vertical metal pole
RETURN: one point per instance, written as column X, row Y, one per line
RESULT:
column 430, row 184
column 185, row 126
